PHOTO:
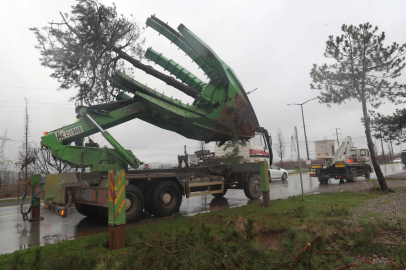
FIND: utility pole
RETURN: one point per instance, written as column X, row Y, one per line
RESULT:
column 304, row 126
column 391, row 147
column 338, row 143
column 292, row 146
column 3, row 141
column 298, row 159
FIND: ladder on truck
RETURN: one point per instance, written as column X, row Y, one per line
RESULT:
column 343, row 148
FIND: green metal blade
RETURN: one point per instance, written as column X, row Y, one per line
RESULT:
column 175, row 69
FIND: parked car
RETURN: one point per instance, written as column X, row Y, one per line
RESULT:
column 397, row 160
column 277, row 173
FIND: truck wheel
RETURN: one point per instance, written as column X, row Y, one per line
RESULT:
column 103, row 213
column 87, row 210
column 284, row 177
column 134, row 202
column 252, row 188
column 166, row 199
column 368, row 173
column 79, row 208
column 353, row 177
column 219, row 195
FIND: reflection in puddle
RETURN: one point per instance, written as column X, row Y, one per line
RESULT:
column 218, row 204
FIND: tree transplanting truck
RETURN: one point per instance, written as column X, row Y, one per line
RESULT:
column 346, row 162
column 220, row 112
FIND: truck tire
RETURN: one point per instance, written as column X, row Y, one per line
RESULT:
column 134, row 202
column 367, row 173
column 219, row 195
column 323, row 180
column 132, row 205
column 79, row 208
column 103, row 213
column 166, row 199
column 284, row 177
column 353, row 177
column 252, row 188
column 87, row 210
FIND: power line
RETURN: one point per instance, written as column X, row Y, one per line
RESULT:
column 37, row 107
column 37, row 88
column 36, row 102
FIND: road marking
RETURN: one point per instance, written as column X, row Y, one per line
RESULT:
column 8, row 231
column 19, row 214
column 1, row 207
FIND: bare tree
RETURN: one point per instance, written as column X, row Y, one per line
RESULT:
column 165, row 166
column 202, row 145
column 280, row 145
column 45, row 163
column 26, row 153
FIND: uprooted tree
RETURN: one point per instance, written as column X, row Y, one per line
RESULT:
column 86, row 46
column 363, row 69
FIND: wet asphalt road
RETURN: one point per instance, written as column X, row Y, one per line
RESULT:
column 16, row 234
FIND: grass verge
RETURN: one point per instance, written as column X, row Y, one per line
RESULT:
column 298, row 171
column 291, row 234
column 13, row 200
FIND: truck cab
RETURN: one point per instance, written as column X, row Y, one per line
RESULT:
column 403, row 157
column 361, row 155
column 255, row 150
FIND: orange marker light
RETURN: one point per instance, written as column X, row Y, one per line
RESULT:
column 45, row 132
column 62, row 212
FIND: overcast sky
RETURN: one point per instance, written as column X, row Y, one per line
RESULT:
column 271, row 45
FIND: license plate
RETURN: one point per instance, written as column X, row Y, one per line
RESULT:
column 325, row 176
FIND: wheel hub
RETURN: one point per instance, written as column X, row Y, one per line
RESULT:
column 127, row 203
column 166, row 198
column 256, row 186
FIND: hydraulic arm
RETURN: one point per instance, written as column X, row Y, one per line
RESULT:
column 221, row 110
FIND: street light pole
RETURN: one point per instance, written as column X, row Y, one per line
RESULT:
column 304, row 127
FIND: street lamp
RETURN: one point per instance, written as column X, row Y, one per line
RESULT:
column 304, row 127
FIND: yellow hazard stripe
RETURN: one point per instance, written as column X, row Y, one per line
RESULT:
column 119, row 181
column 119, row 195
column 121, row 207
column 111, row 196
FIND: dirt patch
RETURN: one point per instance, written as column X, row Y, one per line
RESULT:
column 270, row 239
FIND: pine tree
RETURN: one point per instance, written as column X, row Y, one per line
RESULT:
column 86, row 46
column 363, row 69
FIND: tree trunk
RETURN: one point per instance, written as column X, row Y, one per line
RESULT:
column 163, row 77
column 383, row 152
column 391, row 147
column 377, row 168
